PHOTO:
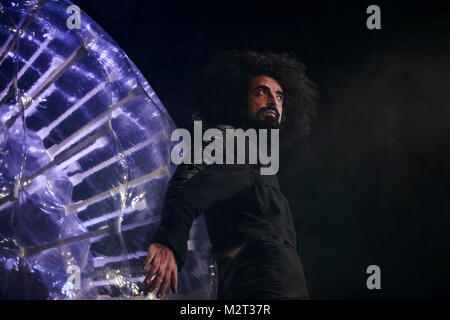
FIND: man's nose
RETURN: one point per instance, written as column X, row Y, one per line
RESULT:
column 272, row 100
column 272, row 104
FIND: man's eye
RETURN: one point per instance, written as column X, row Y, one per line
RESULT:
column 280, row 98
column 261, row 91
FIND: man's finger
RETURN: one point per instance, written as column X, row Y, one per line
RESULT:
column 174, row 280
column 156, row 281
column 148, row 278
column 154, row 266
column 163, row 265
column 164, row 285
column 149, row 258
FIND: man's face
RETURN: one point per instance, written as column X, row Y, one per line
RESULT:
column 265, row 101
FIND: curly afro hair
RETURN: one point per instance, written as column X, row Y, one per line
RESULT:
column 222, row 87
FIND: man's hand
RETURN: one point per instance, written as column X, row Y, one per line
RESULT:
column 160, row 262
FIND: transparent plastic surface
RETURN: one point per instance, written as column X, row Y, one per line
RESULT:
column 84, row 164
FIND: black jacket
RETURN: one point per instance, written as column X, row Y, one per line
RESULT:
column 239, row 203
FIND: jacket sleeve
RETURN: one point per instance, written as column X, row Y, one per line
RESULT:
column 192, row 190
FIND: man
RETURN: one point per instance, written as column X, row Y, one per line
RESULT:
column 248, row 218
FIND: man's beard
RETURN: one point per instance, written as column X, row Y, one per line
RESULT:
column 258, row 122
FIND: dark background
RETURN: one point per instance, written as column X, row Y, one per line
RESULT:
column 371, row 184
